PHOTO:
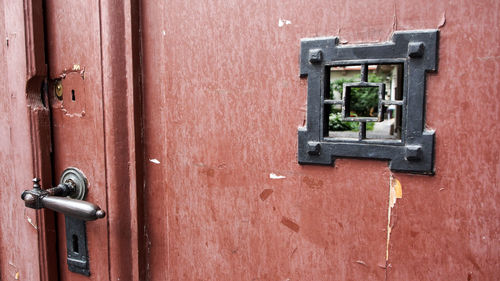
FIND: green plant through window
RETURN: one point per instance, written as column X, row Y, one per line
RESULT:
column 364, row 102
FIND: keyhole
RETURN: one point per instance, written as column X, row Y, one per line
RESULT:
column 75, row 243
column 73, row 95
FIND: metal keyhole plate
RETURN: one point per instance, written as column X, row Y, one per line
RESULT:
column 77, row 177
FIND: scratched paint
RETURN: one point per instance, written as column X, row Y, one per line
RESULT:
column 154, row 160
column 283, row 22
column 30, row 221
column 276, row 176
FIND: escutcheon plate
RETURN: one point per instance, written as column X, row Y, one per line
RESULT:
column 81, row 183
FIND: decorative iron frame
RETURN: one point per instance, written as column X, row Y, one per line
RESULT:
column 417, row 51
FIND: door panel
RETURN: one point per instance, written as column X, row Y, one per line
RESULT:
column 226, row 199
column 25, row 234
column 94, row 54
column 74, row 47
column 231, row 101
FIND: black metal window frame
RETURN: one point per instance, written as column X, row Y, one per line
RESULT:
column 417, row 52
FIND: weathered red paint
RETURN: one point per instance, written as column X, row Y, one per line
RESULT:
column 223, row 101
column 185, row 122
column 27, row 237
column 96, row 132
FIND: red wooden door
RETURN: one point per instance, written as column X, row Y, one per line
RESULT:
column 90, row 62
column 225, row 197
column 74, row 62
column 183, row 115
column 84, row 116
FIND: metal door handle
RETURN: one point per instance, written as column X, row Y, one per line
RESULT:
column 74, row 185
column 74, row 208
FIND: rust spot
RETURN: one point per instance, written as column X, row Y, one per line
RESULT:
column 313, row 183
column 290, row 224
column 265, row 194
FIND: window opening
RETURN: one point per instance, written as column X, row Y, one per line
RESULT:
column 389, row 122
column 364, row 102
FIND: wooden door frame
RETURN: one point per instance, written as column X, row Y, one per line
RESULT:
column 39, row 118
column 122, row 93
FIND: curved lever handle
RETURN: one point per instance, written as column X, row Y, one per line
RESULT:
column 73, row 185
column 72, row 207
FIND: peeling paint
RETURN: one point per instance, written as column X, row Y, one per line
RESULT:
column 75, row 68
column 154, row 160
column 443, row 21
column 16, row 275
column 275, row 176
column 283, row 22
column 71, row 115
column 395, row 193
column 398, row 190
